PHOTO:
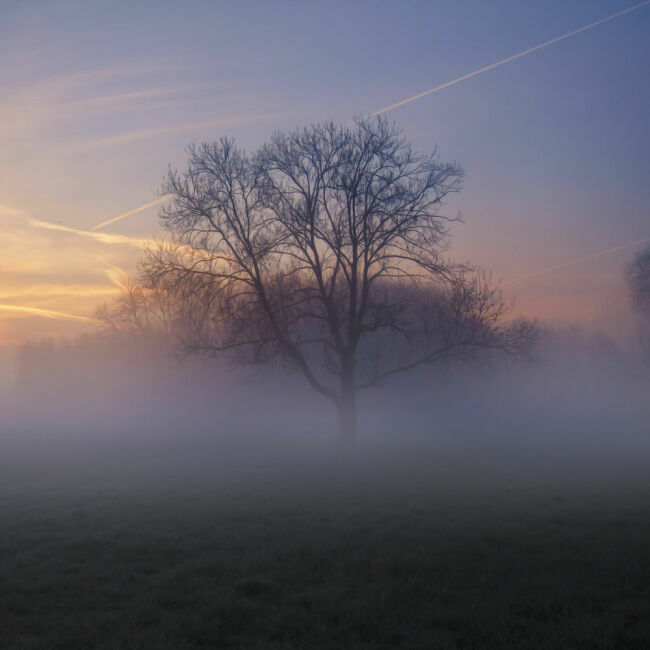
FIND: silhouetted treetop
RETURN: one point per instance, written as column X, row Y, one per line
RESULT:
column 325, row 249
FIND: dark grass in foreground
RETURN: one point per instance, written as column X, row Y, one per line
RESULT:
column 213, row 551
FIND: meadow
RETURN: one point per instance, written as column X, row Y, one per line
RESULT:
column 134, row 544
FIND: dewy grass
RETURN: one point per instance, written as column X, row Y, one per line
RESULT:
column 210, row 552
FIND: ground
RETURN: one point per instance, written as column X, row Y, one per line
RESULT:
column 159, row 547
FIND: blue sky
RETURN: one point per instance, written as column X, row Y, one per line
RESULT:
column 98, row 98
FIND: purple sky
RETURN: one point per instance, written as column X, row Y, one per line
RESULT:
column 98, row 99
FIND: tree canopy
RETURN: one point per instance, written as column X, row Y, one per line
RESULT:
column 325, row 249
column 637, row 275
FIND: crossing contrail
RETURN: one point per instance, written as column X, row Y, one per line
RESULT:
column 530, row 50
column 408, row 100
column 130, row 212
column 447, row 84
column 578, row 260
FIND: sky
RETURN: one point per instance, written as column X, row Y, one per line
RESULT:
column 99, row 98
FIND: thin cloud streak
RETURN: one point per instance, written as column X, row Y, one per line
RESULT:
column 59, row 290
column 116, row 275
column 578, row 260
column 510, row 58
column 52, row 272
column 116, row 100
column 126, row 138
column 29, row 109
column 8, row 211
column 102, row 237
column 47, row 313
column 129, row 213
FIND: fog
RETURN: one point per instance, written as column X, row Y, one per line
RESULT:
column 131, row 415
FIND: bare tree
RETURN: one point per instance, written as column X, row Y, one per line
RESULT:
column 637, row 275
column 325, row 250
column 141, row 310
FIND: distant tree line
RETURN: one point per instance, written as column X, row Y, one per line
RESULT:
column 637, row 275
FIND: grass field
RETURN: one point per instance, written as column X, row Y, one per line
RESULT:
column 158, row 547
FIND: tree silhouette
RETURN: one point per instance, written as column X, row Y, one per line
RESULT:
column 325, row 249
column 637, row 276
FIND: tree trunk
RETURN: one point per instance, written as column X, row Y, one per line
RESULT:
column 347, row 415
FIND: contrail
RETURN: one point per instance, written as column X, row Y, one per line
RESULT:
column 101, row 237
column 510, row 58
column 41, row 290
column 47, row 313
column 128, row 214
column 557, row 39
column 133, row 136
column 579, row 260
column 469, row 75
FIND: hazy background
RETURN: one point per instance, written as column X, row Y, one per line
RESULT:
column 99, row 99
column 157, row 502
column 103, row 408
